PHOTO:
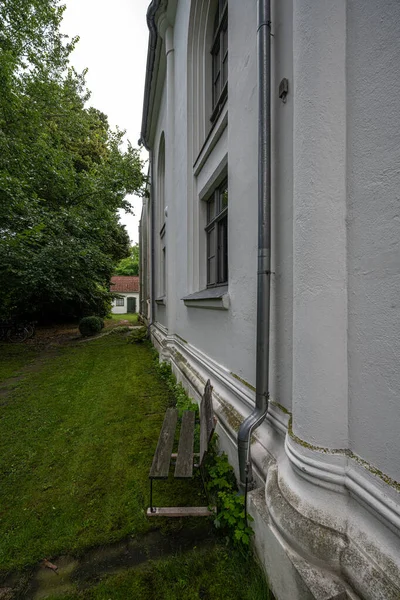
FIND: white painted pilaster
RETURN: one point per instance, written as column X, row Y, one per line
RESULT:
column 172, row 216
column 320, row 381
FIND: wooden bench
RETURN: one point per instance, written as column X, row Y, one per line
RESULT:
column 185, row 456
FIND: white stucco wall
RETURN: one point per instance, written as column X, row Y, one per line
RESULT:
column 335, row 325
column 120, row 310
column 373, row 224
column 282, row 207
column 204, row 327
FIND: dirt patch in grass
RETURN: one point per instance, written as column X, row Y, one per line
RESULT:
column 85, row 571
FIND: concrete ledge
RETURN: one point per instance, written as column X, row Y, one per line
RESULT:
column 212, row 298
column 335, row 470
column 290, row 576
column 313, row 533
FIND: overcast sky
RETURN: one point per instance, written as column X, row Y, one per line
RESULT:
column 113, row 46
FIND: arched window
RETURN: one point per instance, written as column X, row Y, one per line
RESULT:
column 161, row 215
column 219, row 52
column 161, row 184
column 207, row 67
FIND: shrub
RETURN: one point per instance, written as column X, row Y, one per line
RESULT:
column 138, row 335
column 231, row 517
column 90, row 326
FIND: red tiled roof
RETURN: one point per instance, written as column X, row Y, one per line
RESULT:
column 124, row 283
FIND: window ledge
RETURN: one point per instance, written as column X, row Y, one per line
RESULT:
column 216, row 298
column 161, row 301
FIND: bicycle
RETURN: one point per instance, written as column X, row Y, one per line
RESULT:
column 13, row 332
column 30, row 327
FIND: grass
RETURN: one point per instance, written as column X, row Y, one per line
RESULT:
column 76, row 443
column 13, row 358
column 213, row 573
column 131, row 317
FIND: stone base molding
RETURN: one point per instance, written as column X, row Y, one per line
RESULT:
column 327, row 525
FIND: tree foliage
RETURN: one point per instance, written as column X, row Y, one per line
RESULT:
column 130, row 264
column 63, row 173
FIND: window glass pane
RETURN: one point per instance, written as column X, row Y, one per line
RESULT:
column 211, row 243
column 163, row 273
column 224, row 197
column 217, row 90
column 222, row 251
column 225, row 71
column 211, row 271
column 219, row 53
column 211, row 260
column 224, row 41
column 217, row 236
column 216, row 63
column 210, row 210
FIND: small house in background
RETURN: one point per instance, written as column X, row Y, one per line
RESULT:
column 128, row 290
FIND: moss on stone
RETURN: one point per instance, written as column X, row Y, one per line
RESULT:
column 232, row 416
column 392, row 482
column 179, row 357
column 251, row 387
column 388, row 480
column 281, row 407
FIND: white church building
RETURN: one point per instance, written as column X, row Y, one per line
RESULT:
column 270, row 263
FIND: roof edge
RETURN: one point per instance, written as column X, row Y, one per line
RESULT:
column 151, row 57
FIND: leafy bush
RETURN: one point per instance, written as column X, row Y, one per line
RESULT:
column 231, row 516
column 138, row 335
column 182, row 400
column 90, row 326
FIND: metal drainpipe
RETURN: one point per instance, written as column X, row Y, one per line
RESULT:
column 264, row 244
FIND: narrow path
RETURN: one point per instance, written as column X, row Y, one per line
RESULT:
column 74, row 574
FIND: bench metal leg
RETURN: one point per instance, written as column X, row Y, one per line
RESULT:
column 203, row 481
column 152, row 509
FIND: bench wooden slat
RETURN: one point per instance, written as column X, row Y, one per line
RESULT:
column 184, row 461
column 162, row 457
column 206, row 420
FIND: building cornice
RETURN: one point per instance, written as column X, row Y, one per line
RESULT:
column 160, row 13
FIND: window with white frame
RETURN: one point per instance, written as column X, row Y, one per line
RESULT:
column 219, row 52
column 163, row 272
column 119, row 302
column 217, row 236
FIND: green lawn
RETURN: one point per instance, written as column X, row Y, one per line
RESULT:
column 213, row 573
column 131, row 317
column 13, row 357
column 76, row 443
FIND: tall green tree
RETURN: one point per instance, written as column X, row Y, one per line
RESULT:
column 130, row 264
column 63, row 173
